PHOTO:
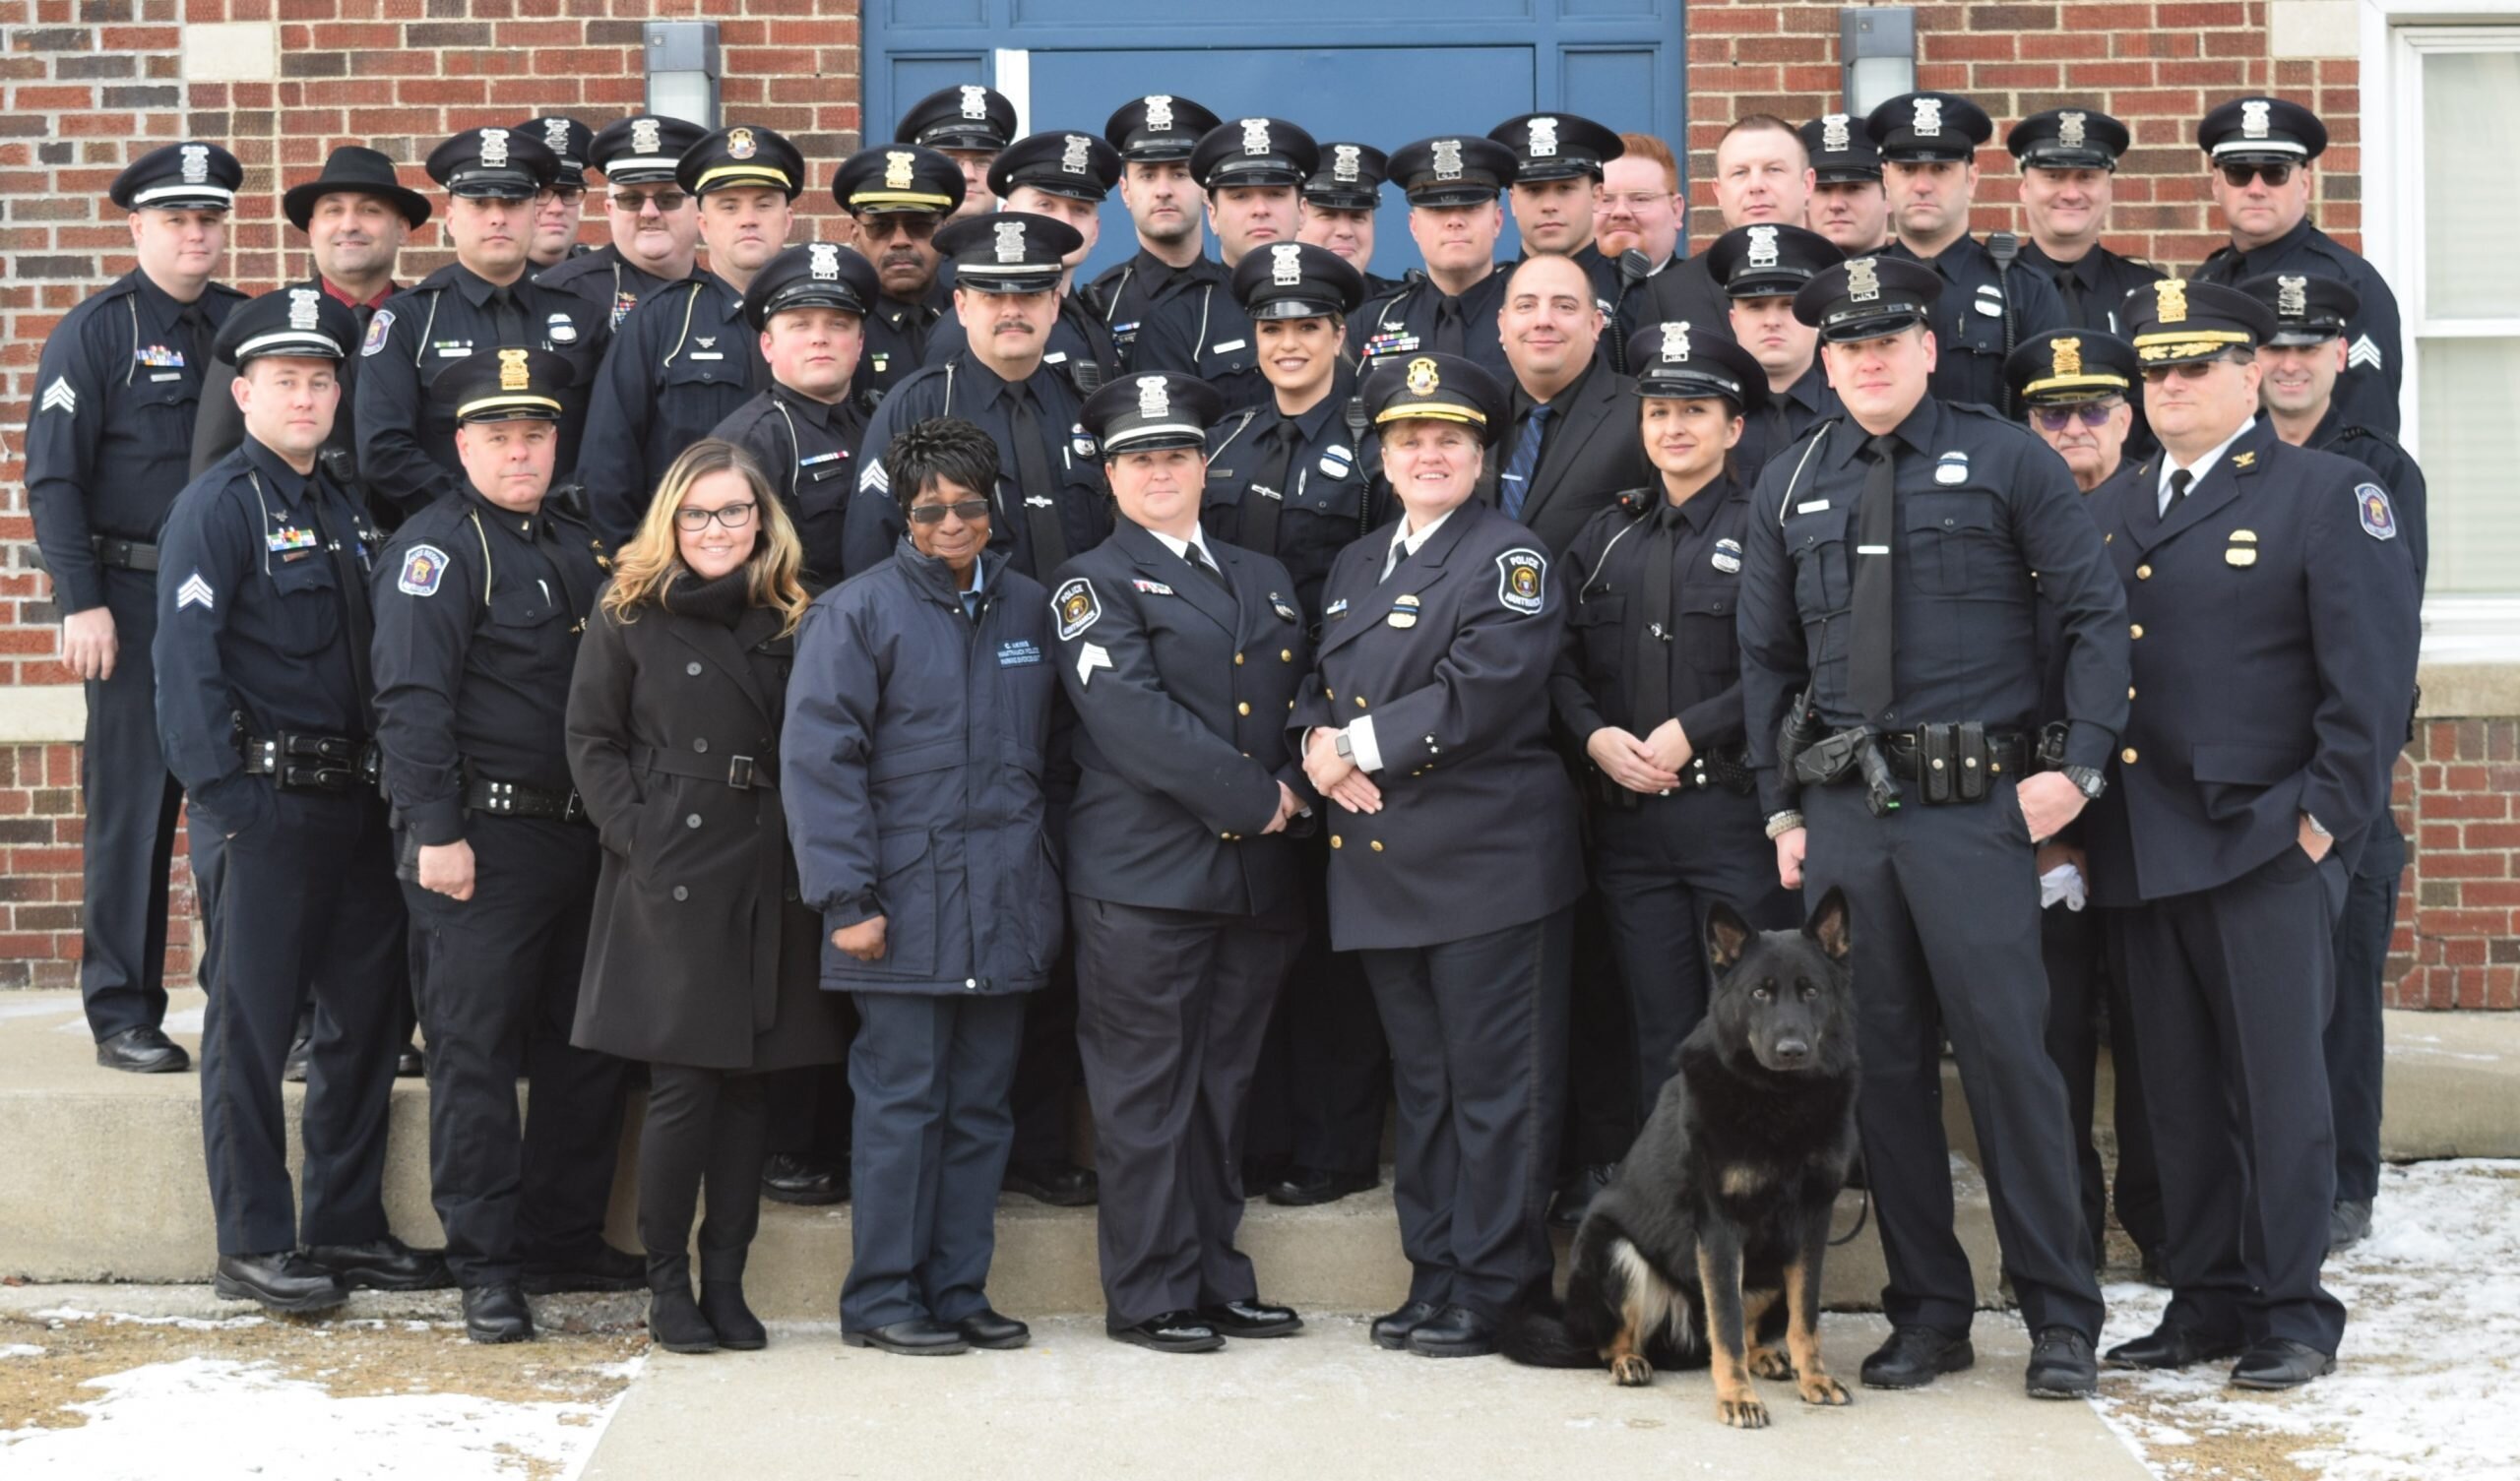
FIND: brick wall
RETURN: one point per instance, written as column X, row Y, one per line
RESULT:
column 2458, row 942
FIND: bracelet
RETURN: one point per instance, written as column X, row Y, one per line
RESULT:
column 1783, row 822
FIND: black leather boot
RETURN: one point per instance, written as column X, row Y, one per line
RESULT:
column 674, row 1320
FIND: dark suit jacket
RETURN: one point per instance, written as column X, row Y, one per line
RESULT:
column 1592, row 452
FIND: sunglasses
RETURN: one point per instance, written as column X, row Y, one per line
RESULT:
column 636, row 200
column 2089, row 413
column 2238, row 176
column 969, row 511
column 2191, row 370
column 566, row 194
column 918, row 229
column 733, row 516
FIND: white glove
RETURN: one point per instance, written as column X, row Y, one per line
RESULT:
column 2062, row 883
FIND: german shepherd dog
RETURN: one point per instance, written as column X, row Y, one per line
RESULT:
column 1715, row 1222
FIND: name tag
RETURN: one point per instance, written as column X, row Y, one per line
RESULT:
column 1016, row 653
column 1814, row 506
column 1226, row 346
column 167, row 375
column 1153, row 588
column 708, row 354
column 1055, row 358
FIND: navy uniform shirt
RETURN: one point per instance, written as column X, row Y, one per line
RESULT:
column 1650, row 627
column 1076, row 503
column 478, row 613
column 407, row 457
column 218, row 426
column 1982, row 506
column 1394, row 327
column 1334, row 490
column 897, row 336
column 1204, row 331
column 2380, row 453
column 681, row 364
column 1782, row 421
column 2367, row 393
column 1079, row 349
column 809, row 450
column 254, row 623
column 2092, row 288
column 109, row 435
column 1127, row 296
column 604, row 279
column 1969, row 321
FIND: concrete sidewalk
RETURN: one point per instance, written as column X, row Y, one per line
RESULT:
column 1324, row 1404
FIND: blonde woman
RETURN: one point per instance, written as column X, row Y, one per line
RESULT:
column 700, row 961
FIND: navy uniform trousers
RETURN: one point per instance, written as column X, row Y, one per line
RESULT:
column 1324, row 1075
column 2356, row 1043
column 2082, row 996
column 132, row 801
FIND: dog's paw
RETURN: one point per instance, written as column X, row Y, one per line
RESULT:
column 1631, row 1370
column 1743, row 1413
column 1768, row 1363
column 1820, row 1388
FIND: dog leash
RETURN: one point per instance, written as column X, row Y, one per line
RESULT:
column 1862, row 1212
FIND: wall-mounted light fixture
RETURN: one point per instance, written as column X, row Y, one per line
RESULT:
column 1877, row 51
column 682, row 71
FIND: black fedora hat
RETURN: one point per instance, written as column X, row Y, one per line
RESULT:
column 355, row 168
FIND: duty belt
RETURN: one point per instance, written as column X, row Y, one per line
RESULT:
column 742, row 773
column 299, row 763
column 128, row 555
column 517, row 799
column 1956, row 762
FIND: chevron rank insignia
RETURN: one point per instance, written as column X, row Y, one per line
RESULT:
column 193, row 593
column 60, row 397
column 2363, row 354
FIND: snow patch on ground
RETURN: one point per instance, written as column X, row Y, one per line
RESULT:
column 18, row 1350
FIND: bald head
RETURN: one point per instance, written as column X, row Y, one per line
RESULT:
column 1549, row 324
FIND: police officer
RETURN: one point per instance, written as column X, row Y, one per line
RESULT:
column 1297, row 480
column 1850, row 205
column 1649, row 681
column 1570, row 443
column 2257, row 154
column 899, row 196
column 1450, row 306
column 2068, row 158
column 1762, row 178
column 809, row 308
column 1928, row 144
column 1761, row 268
column 116, row 390
column 264, row 700
column 1557, row 178
column 1049, row 500
column 555, row 225
column 655, row 227
column 1888, row 608
column 2274, row 605
column 480, row 600
column 682, row 361
column 1251, row 169
column 1155, row 136
column 1062, row 176
column 2305, row 359
column 1181, row 656
column 1453, row 851
column 480, row 301
column 1337, row 205
column 968, row 124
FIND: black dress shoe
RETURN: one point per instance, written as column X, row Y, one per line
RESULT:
column 2154, row 1272
column 1456, row 1331
column 1251, row 1319
column 2061, row 1364
column 2280, row 1363
column 598, row 1267
column 287, row 1281
column 2348, row 1223
column 497, row 1314
column 917, row 1337
column 1061, row 1185
column 292, row 1066
column 1576, row 1194
column 809, row 1182
column 142, row 1051
column 1391, row 1329
column 1915, row 1356
column 1173, row 1331
column 409, row 1062
column 989, row 1328
column 2172, row 1345
column 385, row 1264
column 1303, row 1187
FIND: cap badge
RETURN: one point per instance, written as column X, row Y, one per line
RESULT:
column 822, row 259
column 740, row 145
column 1423, row 379
column 512, row 372
column 1010, row 241
column 1863, row 280
column 301, row 307
column 1285, row 265
column 2253, row 117
column 1158, row 112
column 2069, row 129
column 494, row 148
column 1929, row 121
column 1447, row 153
column 2065, row 357
column 1762, row 247
column 1543, row 138
column 1152, row 398
column 1835, row 134
column 898, row 165
column 1255, row 136
column 1347, row 160
column 1072, row 158
column 555, row 135
column 2171, row 299
column 646, row 136
column 2292, row 297
column 196, row 159
column 975, row 102
column 1675, row 343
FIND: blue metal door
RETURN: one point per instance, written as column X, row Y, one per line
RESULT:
column 1377, row 71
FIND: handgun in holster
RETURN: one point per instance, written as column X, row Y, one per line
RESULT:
column 1834, row 757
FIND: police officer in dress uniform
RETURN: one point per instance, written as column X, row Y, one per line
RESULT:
column 899, row 196
column 1928, row 144
column 555, row 225
column 1155, row 136
column 1251, row 169
column 1650, row 682
column 480, row 602
column 1449, row 306
column 1761, row 268
column 116, row 388
column 2068, row 158
column 1888, row 609
column 264, row 700
column 2304, row 360
column 655, row 226
column 1850, row 205
column 683, row 360
column 968, row 124
column 1295, row 480
column 2074, row 385
column 1062, row 176
column 1181, row 656
column 2274, row 608
column 1454, row 860
column 809, row 305
column 2258, row 152
column 1339, row 202
column 480, row 301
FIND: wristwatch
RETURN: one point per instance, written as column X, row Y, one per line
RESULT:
column 2087, row 781
column 1344, row 748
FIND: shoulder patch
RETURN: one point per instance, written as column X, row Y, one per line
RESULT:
column 424, row 566
column 1522, row 576
column 378, row 329
column 1076, row 606
column 2379, row 518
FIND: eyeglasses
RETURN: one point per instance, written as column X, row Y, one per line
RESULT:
column 917, row 228
column 2236, row 177
column 968, row 511
column 2192, row 370
column 2089, row 413
column 733, row 516
column 566, row 194
column 636, row 200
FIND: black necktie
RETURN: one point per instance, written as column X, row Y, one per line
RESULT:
column 339, row 536
column 1868, row 673
column 1036, row 490
column 1200, row 562
column 1267, row 490
column 506, row 317
column 1451, row 325
column 197, row 338
column 2069, row 286
column 2180, row 480
column 1650, row 645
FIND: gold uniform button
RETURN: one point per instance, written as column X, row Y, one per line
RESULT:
column 2130, row 691
column 1243, row 709
column 1377, row 846
column 2128, row 755
column 1333, row 840
column 2136, row 630
column 1237, row 660
column 1360, row 702
column 1285, row 655
column 2143, row 573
